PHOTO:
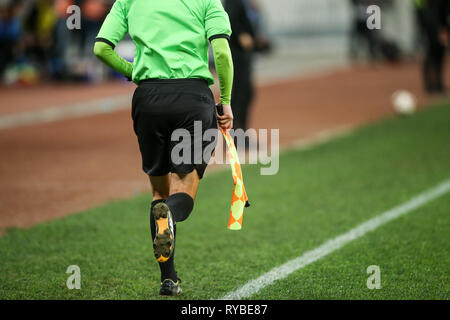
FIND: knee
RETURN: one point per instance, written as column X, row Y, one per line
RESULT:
column 181, row 205
column 180, row 189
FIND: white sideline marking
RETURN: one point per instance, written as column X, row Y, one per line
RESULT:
column 332, row 245
column 76, row 110
column 321, row 137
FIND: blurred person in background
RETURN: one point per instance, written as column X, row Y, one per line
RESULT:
column 242, row 43
column 39, row 23
column 62, row 40
column 10, row 34
column 262, row 43
column 82, row 64
column 36, row 43
column 434, row 21
column 359, row 32
column 249, row 36
column 93, row 13
column 377, row 44
column 16, row 67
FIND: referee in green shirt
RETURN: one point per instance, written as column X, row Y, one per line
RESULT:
column 171, row 70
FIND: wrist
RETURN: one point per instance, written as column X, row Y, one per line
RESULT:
column 225, row 101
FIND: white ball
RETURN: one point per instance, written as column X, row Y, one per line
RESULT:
column 404, row 102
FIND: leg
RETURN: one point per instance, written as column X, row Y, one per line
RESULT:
column 187, row 183
column 182, row 189
column 185, row 176
column 160, row 186
column 372, row 44
column 427, row 71
column 438, row 63
column 160, row 190
column 242, row 87
column 242, row 93
column 173, row 193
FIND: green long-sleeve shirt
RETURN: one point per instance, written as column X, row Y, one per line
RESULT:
column 171, row 39
column 222, row 59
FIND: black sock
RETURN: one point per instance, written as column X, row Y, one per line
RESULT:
column 181, row 205
column 167, row 268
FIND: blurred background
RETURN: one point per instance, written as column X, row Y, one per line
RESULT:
column 311, row 66
column 364, row 126
column 37, row 46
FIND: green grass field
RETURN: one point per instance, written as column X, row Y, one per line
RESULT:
column 318, row 194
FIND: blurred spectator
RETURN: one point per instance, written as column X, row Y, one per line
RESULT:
column 39, row 23
column 433, row 17
column 244, row 17
column 62, row 36
column 377, row 45
column 93, row 14
column 261, row 40
column 35, row 42
column 359, row 32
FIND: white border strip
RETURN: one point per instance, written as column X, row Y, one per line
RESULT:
column 332, row 245
column 77, row 110
column 122, row 102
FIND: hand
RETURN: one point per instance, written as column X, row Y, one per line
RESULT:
column 225, row 121
column 246, row 41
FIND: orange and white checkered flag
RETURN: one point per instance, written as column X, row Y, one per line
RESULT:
column 239, row 199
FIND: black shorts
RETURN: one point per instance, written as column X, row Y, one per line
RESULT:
column 159, row 108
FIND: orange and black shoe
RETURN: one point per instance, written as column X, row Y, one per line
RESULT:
column 164, row 240
column 170, row 288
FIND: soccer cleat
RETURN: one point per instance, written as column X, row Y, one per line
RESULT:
column 164, row 240
column 170, row 288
